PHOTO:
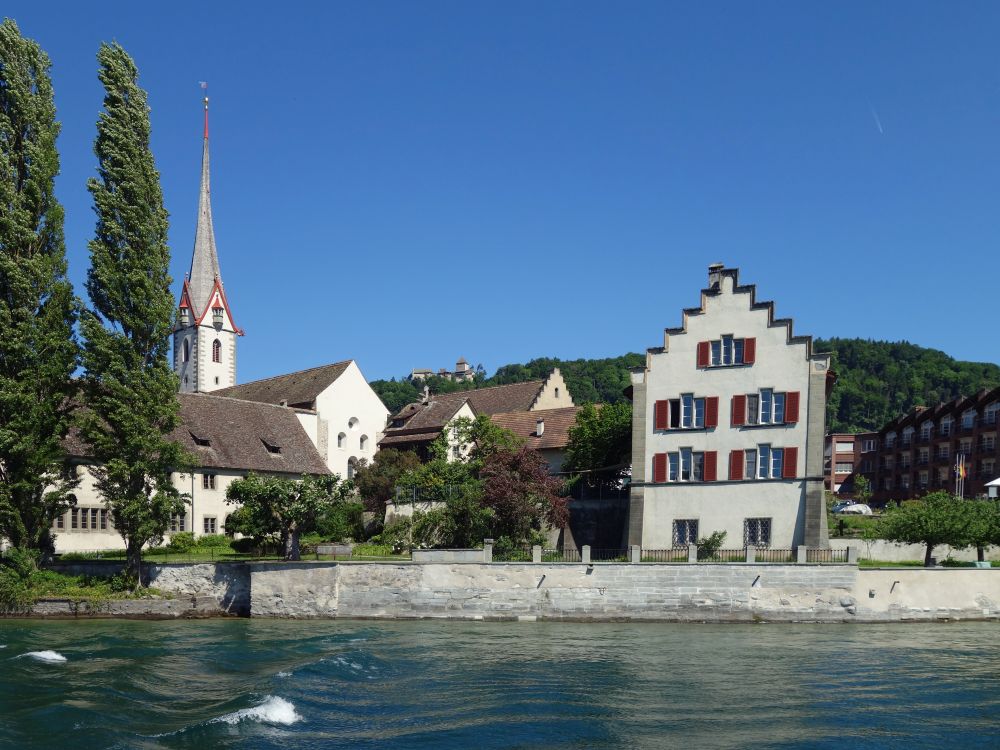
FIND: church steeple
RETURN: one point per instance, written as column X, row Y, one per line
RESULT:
column 205, row 261
column 205, row 335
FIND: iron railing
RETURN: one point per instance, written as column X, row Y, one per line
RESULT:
column 826, row 555
column 672, row 555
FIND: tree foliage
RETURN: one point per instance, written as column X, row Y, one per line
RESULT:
column 600, row 443
column 376, row 480
column 503, row 490
column 879, row 380
column 130, row 388
column 941, row 518
column 272, row 507
column 38, row 350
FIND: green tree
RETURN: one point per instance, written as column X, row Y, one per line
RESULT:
column 983, row 526
column 937, row 518
column 38, row 351
column 130, row 388
column 600, row 443
column 376, row 480
column 285, row 508
column 862, row 489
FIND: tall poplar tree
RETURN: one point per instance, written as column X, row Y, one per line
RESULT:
column 130, row 387
column 38, row 350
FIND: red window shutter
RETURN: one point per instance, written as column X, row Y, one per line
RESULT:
column 660, row 467
column 711, row 468
column 791, row 407
column 789, row 469
column 661, row 411
column 749, row 351
column 703, row 354
column 712, row 411
column 735, row 464
column 739, row 415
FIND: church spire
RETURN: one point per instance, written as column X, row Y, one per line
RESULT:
column 205, row 261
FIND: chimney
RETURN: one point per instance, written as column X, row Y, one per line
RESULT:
column 539, row 427
column 715, row 275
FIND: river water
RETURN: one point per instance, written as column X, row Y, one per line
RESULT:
column 428, row 684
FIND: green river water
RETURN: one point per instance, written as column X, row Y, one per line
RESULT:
column 430, row 684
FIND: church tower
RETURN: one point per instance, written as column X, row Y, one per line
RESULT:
column 205, row 334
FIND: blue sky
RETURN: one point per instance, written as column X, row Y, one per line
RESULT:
column 404, row 183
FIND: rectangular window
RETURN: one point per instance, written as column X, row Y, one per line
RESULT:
column 456, row 452
column 869, row 445
column 845, row 447
column 178, row 523
column 60, row 522
column 208, row 481
column 779, row 408
column 738, row 351
column 764, row 451
column 945, row 429
column 777, row 461
column 968, row 420
column 904, row 482
column 716, row 353
column 210, row 525
column 699, row 412
column 728, row 351
column 94, row 522
column 687, row 410
column 766, row 405
column 685, row 464
column 698, row 468
column 672, row 469
column 685, row 532
column 753, row 408
column 74, row 518
column 757, row 532
column 750, row 468
column 844, row 468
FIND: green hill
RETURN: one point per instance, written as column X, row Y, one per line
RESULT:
column 876, row 380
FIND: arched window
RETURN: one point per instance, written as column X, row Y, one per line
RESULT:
column 352, row 467
column 186, row 350
column 216, row 351
column 340, row 440
column 364, row 442
column 352, row 423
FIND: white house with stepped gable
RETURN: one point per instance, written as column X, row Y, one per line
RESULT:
column 728, row 427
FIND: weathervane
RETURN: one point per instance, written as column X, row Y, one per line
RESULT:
column 204, row 87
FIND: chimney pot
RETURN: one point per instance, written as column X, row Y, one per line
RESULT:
column 715, row 275
column 539, row 427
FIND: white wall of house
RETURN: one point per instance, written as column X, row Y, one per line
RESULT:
column 554, row 393
column 780, row 365
column 352, row 417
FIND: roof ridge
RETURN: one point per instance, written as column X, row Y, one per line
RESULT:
column 286, row 374
column 213, row 394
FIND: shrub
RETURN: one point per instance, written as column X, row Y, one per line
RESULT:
column 372, row 550
column 244, row 546
column 182, row 541
column 344, row 521
column 209, row 541
column 709, row 546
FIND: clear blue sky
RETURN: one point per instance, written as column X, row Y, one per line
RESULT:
column 403, row 183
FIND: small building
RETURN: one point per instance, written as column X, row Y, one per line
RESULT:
column 229, row 438
column 461, row 374
column 543, row 430
column 847, row 456
column 419, row 424
column 729, row 416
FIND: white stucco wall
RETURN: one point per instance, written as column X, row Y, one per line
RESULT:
column 350, row 398
column 723, row 505
column 554, row 393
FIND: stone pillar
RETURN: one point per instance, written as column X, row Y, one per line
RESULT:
column 635, row 553
column 692, row 552
column 585, row 554
column 802, row 554
column 751, row 553
column 487, row 550
column 536, row 553
column 637, row 493
column 852, row 555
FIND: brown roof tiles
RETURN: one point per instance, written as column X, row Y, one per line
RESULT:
column 294, row 389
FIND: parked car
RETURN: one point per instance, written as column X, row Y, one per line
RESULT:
column 856, row 509
column 840, row 505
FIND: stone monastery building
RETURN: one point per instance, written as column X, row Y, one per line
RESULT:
column 728, row 427
column 316, row 421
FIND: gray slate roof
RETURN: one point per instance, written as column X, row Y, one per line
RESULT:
column 298, row 389
column 238, row 433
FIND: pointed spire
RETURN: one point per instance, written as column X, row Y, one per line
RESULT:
column 205, row 261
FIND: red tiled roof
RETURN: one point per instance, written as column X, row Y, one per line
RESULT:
column 293, row 389
column 524, row 424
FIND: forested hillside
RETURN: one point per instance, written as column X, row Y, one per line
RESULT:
column 876, row 380
column 879, row 380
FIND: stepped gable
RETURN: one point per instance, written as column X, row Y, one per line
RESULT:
column 225, row 433
column 298, row 389
column 525, row 424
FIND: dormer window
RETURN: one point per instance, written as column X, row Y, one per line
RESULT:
column 217, row 318
column 274, row 450
column 201, row 442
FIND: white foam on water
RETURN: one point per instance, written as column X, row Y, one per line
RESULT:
column 283, row 674
column 355, row 666
column 273, row 710
column 49, row 657
column 3, row 645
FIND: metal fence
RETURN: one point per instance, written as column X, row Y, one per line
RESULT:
column 826, row 555
column 672, row 555
column 768, row 555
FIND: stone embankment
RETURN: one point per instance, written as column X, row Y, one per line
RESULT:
column 693, row 592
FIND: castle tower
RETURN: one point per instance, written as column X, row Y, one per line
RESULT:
column 205, row 333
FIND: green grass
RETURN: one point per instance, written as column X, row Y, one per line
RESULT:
column 864, row 562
